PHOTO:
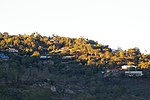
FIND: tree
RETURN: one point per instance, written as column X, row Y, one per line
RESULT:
column 35, row 54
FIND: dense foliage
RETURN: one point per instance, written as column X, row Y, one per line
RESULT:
column 85, row 51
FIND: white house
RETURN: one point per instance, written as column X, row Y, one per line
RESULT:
column 12, row 50
column 45, row 57
column 133, row 73
column 124, row 67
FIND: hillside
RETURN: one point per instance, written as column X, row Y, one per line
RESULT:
column 84, row 50
column 35, row 67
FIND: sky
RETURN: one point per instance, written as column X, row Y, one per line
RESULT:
column 117, row 23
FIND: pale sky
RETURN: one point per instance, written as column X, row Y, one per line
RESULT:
column 123, row 23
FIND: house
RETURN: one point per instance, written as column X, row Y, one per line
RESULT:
column 125, row 67
column 10, row 45
column 64, row 48
column 133, row 73
column 3, row 57
column 12, row 50
column 112, row 70
column 115, row 51
column 68, row 57
column 45, row 57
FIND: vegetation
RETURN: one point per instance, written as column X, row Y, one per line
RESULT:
column 84, row 50
column 63, row 68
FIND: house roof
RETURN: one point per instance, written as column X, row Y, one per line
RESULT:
column 2, row 56
column 128, row 66
column 133, row 72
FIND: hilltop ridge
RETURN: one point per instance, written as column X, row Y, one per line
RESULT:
column 84, row 50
